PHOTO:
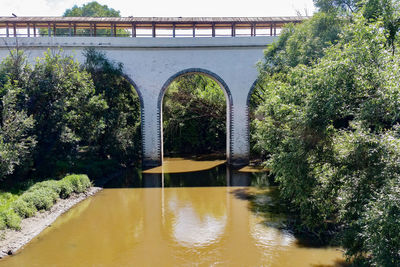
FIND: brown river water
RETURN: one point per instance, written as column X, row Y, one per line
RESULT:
column 186, row 213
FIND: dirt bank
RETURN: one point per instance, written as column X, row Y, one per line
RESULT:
column 11, row 240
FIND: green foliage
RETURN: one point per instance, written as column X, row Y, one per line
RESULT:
column 302, row 44
column 299, row 44
column 79, row 182
column 329, row 130
column 66, row 188
column 121, row 136
column 24, row 209
column 16, row 139
column 2, row 223
column 92, row 115
column 381, row 226
column 194, row 115
column 91, row 9
column 40, row 196
column 75, row 114
column 11, row 219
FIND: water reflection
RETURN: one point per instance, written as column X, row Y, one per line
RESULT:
column 178, row 172
column 167, row 225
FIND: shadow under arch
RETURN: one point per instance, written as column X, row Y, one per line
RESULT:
column 139, row 93
column 229, row 105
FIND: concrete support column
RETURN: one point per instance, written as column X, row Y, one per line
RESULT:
column 151, row 132
column 240, row 145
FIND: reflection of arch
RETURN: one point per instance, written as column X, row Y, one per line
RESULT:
column 222, row 85
column 141, row 108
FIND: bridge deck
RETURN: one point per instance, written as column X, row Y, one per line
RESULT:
column 144, row 26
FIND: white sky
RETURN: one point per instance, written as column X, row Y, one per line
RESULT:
column 166, row 8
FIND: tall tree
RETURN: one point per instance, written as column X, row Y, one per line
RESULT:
column 91, row 9
column 121, row 136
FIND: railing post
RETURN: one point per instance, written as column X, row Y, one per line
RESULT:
column 34, row 30
column 213, row 29
column 153, row 30
column 133, row 30
column 194, row 30
column 173, row 30
column 270, row 30
column 233, row 33
column 255, row 29
column 15, row 30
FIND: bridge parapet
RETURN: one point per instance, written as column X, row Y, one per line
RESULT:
column 144, row 26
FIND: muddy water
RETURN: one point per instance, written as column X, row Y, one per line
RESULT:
column 177, row 220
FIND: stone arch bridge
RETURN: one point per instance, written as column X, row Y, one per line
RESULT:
column 224, row 49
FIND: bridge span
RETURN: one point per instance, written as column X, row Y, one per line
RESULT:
column 151, row 64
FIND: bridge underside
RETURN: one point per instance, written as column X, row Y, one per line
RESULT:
column 151, row 64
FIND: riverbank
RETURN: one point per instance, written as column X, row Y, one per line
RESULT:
column 12, row 240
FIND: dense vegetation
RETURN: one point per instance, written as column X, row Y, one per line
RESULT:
column 40, row 196
column 57, row 115
column 329, row 113
column 194, row 116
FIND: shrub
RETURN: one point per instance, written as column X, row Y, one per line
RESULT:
column 79, row 182
column 51, row 184
column 42, row 198
column 24, row 209
column 66, row 188
column 2, row 223
column 11, row 219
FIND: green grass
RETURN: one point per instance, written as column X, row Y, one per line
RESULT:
column 40, row 196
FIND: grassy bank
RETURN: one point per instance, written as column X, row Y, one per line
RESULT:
column 14, row 206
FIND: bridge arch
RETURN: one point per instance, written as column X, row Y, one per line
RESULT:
column 228, row 97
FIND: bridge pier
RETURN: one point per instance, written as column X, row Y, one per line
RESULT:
column 239, row 146
column 152, row 144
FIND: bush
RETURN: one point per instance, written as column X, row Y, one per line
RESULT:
column 24, row 209
column 79, row 182
column 50, row 184
column 2, row 223
column 66, row 188
column 42, row 198
column 11, row 219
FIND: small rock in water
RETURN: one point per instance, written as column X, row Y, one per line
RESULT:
column 9, row 252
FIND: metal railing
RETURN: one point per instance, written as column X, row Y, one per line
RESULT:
column 131, row 27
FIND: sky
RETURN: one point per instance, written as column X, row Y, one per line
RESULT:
column 166, row 8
